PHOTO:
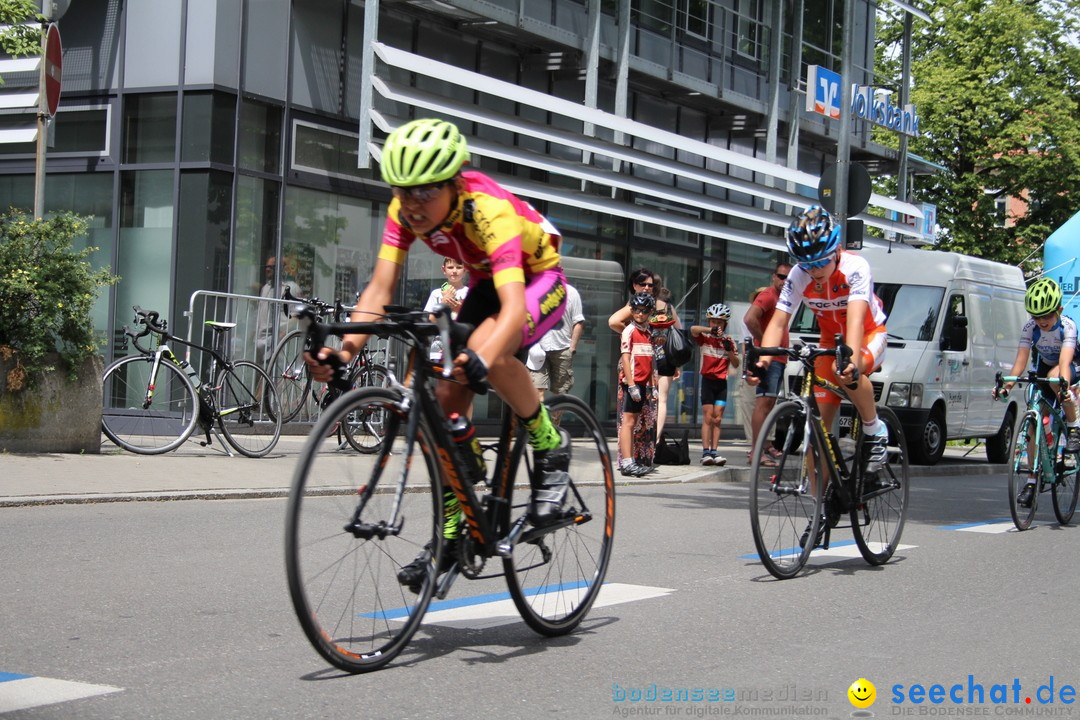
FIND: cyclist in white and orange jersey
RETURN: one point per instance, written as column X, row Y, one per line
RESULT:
column 838, row 288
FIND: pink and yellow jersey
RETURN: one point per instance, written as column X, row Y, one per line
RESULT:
column 850, row 281
column 495, row 234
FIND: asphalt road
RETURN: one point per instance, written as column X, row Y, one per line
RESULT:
column 181, row 607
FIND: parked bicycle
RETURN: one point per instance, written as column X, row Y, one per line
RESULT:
column 814, row 478
column 294, row 385
column 154, row 401
column 1039, row 452
column 355, row 521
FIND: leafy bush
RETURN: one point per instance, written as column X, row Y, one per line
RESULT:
column 47, row 289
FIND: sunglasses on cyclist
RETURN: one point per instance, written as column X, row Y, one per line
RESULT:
column 815, row 264
column 420, row 193
column 782, row 276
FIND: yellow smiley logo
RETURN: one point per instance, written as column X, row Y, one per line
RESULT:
column 862, row 693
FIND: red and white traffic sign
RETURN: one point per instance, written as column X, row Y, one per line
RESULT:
column 54, row 70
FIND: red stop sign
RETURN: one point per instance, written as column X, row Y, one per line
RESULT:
column 53, row 68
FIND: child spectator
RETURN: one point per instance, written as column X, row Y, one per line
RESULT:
column 636, row 380
column 717, row 354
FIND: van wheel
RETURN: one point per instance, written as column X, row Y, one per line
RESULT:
column 928, row 447
column 998, row 446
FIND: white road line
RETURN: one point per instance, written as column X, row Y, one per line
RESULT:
column 23, row 692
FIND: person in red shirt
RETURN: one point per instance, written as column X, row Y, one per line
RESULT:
column 755, row 321
column 636, row 377
column 717, row 354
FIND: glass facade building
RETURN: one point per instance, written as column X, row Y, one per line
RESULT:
column 205, row 137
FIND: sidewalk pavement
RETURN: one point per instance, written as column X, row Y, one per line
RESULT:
column 196, row 472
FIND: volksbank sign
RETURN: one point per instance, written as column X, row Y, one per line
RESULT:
column 868, row 103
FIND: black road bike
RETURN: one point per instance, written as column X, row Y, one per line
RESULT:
column 355, row 520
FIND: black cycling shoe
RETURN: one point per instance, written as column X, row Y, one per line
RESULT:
column 550, row 482
column 413, row 575
column 822, row 525
column 1026, row 496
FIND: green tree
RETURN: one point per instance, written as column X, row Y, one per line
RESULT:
column 19, row 39
column 997, row 87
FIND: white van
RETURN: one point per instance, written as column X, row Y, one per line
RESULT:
column 954, row 322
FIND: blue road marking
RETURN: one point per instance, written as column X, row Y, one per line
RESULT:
column 6, row 676
column 399, row 613
column 964, row 526
column 794, row 550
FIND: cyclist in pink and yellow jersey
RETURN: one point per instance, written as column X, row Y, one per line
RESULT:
column 516, row 292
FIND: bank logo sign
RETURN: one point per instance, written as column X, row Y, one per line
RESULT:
column 823, row 92
column 867, row 102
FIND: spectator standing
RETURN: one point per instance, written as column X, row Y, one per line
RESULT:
column 556, row 369
column 265, row 339
column 717, row 355
column 451, row 293
column 755, row 320
column 663, row 317
column 636, row 385
column 640, row 280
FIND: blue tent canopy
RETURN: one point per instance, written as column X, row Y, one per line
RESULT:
column 1061, row 262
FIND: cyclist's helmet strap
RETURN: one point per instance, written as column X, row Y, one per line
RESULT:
column 642, row 300
column 718, row 310
column 1043, row 297
column 423, row 151
column 813, row 235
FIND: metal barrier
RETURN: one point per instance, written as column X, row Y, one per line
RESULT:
column 261, row 324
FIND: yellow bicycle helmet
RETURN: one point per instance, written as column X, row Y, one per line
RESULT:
column 1043, row 297
column 423, row 151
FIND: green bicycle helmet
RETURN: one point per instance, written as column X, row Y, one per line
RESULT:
column 1043, row 297
column 423, row 151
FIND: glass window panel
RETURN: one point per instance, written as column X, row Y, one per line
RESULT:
column 74, row 131
column 144, row 253
column 260, row 136
column 208, row 127
column 149, row 129
column 327, row 152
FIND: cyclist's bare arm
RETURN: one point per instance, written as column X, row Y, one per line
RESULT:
column 1023, row 354
column 853, row 337
column 378, row 293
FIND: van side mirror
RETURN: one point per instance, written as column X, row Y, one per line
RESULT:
column 954, row 336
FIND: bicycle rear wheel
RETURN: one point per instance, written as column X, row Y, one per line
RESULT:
column 290, row 375
column 555, row 574
column 1020, row 468
column 1065, row 490
column 878, row 518
column 344, row 586
column 364, row 428
column 248, row 411
column 151, row 428
column 785, row 501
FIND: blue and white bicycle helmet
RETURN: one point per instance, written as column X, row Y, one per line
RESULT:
column 813, row 235
column 718, row 310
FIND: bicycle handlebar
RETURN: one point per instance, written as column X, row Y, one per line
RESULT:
column 323, row 309
column 803, row 353
column 398, row 322
column 1000, row 380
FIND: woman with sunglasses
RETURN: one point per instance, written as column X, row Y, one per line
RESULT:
column 839, row 290
column 517, row 292
column 1053, row 336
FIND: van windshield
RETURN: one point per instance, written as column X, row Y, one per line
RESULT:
column 912, row 311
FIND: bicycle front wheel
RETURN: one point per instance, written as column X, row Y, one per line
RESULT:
column 290, row 375
column 785, row 501
column 1066, row 489
column 1021, row 467
column 364, row 429
column 878, row 517
column 353, row 521
column 248, row 411
column 143, row 425
column 555, row 574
